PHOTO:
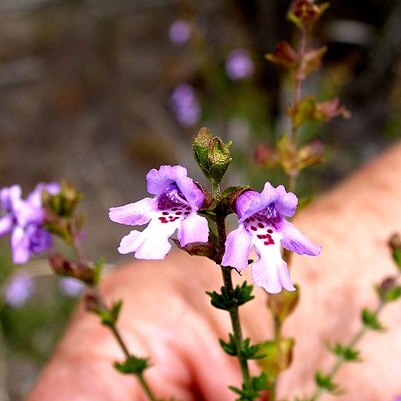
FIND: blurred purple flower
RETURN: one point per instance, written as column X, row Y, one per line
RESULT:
column 262, row 225
column 173, row 208
column 185, row 105
column 24, row 219
column 397, row 398
column 19, row 289
column 71, row 286
column 239, row 64
column 180, row 32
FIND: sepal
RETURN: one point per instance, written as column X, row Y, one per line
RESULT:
column 132, row 365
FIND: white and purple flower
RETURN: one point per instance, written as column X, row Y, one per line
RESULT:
column 174, row 207
column 24, row 219
column 262, row 225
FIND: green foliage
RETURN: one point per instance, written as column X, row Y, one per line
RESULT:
column 132, row 365
column 229, row 347
column 325, row 382
column 227, row 300
column 257, row 385
column 110, row 316
column 345, row 352
column 97, row 270
column 393, row 294
column 370, row 320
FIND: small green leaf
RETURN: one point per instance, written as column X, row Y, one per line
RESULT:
column 325, row 382
column 97, row 270
column 243, row 294
column 345, row 352
column 229, row 347
column 393, row 294
column 132, row 365
column 370, row 320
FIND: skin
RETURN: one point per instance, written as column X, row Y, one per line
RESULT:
column 167, row 316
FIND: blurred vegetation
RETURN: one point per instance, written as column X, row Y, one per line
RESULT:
column 86, row 96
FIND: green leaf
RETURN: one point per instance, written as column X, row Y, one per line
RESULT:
column 132, row 365
column 226, row 301
column 243, row 294
column 370, row 320
column 325, row 382
column 393, row 294
column 345, row 352
column 230, row 347
column 110, row 316
column 251, row 351
column 97, row 270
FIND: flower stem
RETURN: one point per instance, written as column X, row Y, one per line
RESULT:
column 236, row 326
column 77, row 247
column 117, row 335
column 233, row 310
column 339, row 362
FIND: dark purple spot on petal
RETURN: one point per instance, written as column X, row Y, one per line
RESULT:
column 252, row 218
column 253, row 228
column 166, row 213
column 178, row 213
column 270, row 231
column 187, row 213
column 261, row 225
column 247, row 220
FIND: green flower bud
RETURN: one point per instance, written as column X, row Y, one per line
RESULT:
column 212, row 155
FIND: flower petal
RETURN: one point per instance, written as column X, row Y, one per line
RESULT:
column 6, row 223
column 193, row 229
column 159, row 180
column 287, row 203
column 295, row 241
column 272, row 276
column 134, row 214
column 238, row 248
column 152, row 243
column 19, row 246
column 252, row 202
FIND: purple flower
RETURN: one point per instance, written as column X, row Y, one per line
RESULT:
column 19, row 289
column 24, row 220
column 185, row 105
column 262, row 225
column 71, row 286
column 239, row 64
column 174, row 207
column 180, row 32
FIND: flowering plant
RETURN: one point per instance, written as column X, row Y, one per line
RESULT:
column 197, row 214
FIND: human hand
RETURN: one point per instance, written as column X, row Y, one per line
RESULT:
column 166, row 315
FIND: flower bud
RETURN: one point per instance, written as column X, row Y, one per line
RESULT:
column 68, row 268
column 395, row 245
column 212, row 155
column 284, row 54
column 304, row 13
column 63, row 203
column 283, row 303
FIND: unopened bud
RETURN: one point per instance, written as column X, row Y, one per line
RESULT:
column 304, row 13
column 68, row 268
column 283, row 303
column 212, row 155
column 395, row 245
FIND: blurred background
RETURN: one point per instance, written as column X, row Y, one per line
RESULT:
column 99, row 91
